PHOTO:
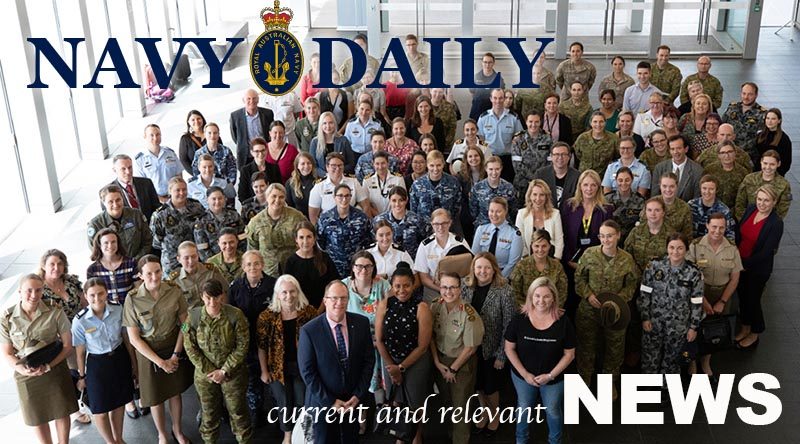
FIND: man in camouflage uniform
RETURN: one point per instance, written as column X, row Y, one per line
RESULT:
column 768, row 175
column 493, row 186
column 530, row 151
column 173, row 222
column 728, row 173
column 346, row 68
column 217, row 217
column 576, row 69
column 229, row 259
column 216, row 338
column 747, row 118
column 193, row 274
column 595, row 154
column 626, row 211
column 128, row 223
column 711, row 84
column 343, row 230
column 448, row 113
column 725, row 134
column 273, row 238
column 602, row 269
column 670, row 303
column 666, row 76
column 306, row 128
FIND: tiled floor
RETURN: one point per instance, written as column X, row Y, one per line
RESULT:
column 775, row 71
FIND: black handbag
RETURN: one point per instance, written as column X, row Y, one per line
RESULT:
column 42, row 356
column 393, row 416
column 717, row 332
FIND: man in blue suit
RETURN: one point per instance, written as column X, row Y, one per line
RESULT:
column 336, row 359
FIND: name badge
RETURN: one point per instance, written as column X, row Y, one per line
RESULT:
column 585, row 241
column 645, row 289
column 516, row 158
column 18, row 333
column 91, row 330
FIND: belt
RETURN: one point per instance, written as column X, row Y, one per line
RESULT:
column 111, row 353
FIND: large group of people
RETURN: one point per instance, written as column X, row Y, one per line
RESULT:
column 369, row 251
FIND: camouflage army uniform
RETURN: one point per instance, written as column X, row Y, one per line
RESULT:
column 482, row 193
column 711, row 156
column 206, row 231
column 134, row 234
column 192, row 284
column 529, row 101
column 578, row 115
column 525, row 272
column 711, row 86
column 409, row 232
column 568, row 72
column 700, row 214
column 346, row 69
column 667, row 79
column 171, row 226
column 618, row 86
column 305, row 131
column 678, row 216
column 597, row 274
column 747, row 193
column 274, row 239
column 626, row 212
column 342, row 238
column 645, row 246
column 650, row 159
column 672, row 300
column 448, row 113
column 729, row 181
column 546, row 80
column 425, row 198
column 528, row 154
column 595, row 154
column 251, row 207
column 219, row 344
column 231, row 271
column 746, row 125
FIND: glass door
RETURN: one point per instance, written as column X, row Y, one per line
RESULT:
column 605, row 27
column 705, row 26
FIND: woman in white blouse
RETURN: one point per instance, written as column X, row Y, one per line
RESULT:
column 540, row 214
column 387, row 255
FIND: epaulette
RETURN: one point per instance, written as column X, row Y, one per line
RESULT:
column 368, row 176
column 610, row 193
column 518, row 133
column 697, row 240
column 141, row 153
column 734, row 103
column 114, row 303
column 397, row 247
column 437, row 300
column 693, row 265
column 161, row 207
column 352, row 176
column 371, row 246
column 762, row 108
column 82, row 313
column 519, row 233
column 429, row 239
column 318, row 180
column 485, row 113
column 459, row 238
column 458, row 142
column 397, row 174
column 173, row 274
column 471, row 313
column 193, row 179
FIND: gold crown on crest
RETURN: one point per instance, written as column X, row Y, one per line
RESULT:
column 276, row 17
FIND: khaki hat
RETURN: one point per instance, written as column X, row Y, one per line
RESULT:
column 614, row 311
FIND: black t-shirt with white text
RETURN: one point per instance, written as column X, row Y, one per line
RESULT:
column 540, row 350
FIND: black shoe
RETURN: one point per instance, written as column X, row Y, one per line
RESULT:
column 489, row 433
column 133, row 414
column 477, row 430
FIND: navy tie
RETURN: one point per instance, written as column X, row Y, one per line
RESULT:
column 493, row 242
column 340, row 347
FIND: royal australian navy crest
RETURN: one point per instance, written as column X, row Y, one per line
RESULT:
column 276, row 59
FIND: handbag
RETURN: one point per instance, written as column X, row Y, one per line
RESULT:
column 717, row 331
column 393, row 416
column 42, row 355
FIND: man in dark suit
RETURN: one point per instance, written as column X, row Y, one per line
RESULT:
column 247, row 123
column 690, row 171
column 336, row 360
column 559, row 176
column 139, row 192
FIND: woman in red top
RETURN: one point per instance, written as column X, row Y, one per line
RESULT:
column 758, row 237
column 309, row 79
column 280, row 152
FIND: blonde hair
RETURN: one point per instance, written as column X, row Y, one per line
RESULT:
column 768, row 190
column 577, row 200
column 320, row 151
column 276, row 305
column 543, row 281
column 548, row 203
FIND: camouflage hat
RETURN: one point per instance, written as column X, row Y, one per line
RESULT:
column 614, row 311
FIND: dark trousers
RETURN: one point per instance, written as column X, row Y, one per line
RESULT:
column 751, row 287
column 255, row 388
column 508, row 168
column 288, row 395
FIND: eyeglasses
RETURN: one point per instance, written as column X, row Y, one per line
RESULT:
column 336, row 166
column 560, row 155
column 338, row 298
column 440, row 224
column 259, row 151
column 447, row 288
column 363, row 267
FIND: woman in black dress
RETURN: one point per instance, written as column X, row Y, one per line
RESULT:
column 311, row 266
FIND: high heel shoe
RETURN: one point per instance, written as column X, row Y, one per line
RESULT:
column 750, row 347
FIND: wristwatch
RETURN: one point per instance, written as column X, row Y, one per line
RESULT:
column 402, row 369
column 451, row 370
